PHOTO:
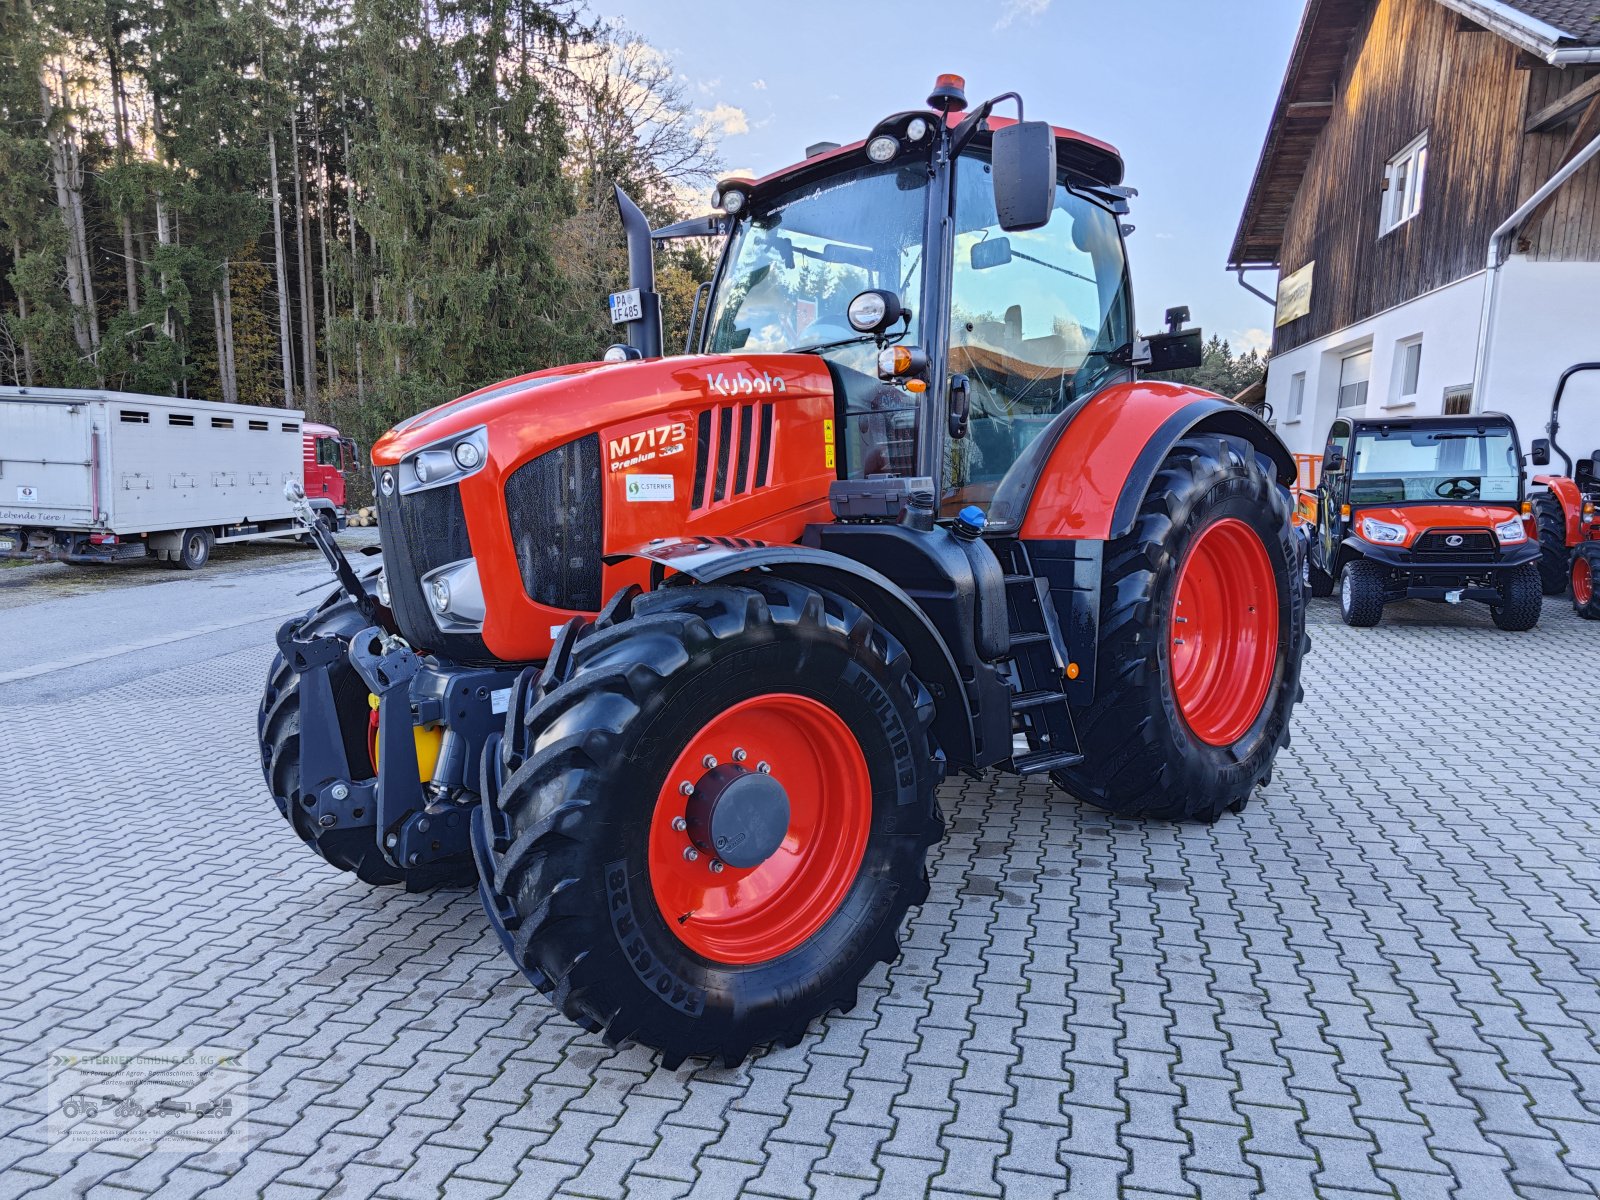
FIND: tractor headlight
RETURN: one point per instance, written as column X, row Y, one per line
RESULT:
column 1382, row 532
column 456, row 596
column 1511, row 531
column 882, row 148
column 446, row 461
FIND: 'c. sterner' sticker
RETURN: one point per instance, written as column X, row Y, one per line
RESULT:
column 644, row 488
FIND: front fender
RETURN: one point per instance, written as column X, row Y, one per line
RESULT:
column 708, row 560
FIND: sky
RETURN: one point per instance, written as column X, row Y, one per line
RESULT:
column 1183, row 88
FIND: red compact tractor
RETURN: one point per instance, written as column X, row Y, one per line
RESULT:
column 1569, row 539
column 669, row 654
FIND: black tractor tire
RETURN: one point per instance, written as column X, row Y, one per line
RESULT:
column 564, row 832
column 194, row 550
column 1361, row 587
column 1143, row 760
column 1317, row 582
column 1587, row 555
column 278, row 729
column 1551, row 522
column 1521, row 599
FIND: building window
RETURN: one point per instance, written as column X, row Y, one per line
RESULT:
column 1458, row 400
column 1297, row 397
column 1355, row 372
column 1402, row 185
column 1407, row 371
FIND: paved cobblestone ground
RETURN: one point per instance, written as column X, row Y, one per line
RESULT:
column 1379, row 980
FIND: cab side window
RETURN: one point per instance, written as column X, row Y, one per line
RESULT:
column 328, row 453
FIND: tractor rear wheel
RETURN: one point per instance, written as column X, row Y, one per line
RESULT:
column 1585, row 575
column 1361, row 588
column 1185, row 724
column 1551, row 522
column 278, row 726
column 1521, row 599
column 710, row 827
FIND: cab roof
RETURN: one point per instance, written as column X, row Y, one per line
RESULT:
column 1435, row 421
column 1099, row 161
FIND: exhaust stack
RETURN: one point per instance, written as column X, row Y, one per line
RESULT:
column 644, row 331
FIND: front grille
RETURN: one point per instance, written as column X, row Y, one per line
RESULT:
column 421, row 531
column 553, row 502
column 733, row 452
column 1477, row 545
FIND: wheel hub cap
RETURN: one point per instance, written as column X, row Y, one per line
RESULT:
column 740, row 817
column 744, row 864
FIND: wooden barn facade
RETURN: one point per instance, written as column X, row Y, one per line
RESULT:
column 1429, row 193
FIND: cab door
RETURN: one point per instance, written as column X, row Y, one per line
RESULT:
column 1332, row 491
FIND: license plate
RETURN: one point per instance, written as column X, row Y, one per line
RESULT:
column 626, row 306
column 7, row 545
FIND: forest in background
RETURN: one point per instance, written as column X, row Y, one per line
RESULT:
column 359, row 209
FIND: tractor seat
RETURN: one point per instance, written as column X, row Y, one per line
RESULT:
column 1586, row 475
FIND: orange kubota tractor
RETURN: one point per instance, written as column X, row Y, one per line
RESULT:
column 669, row 654
column 1563, row 514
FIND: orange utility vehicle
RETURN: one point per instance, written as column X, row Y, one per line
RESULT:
column 1569, row 538
column 689, row 642
column 1422, row 508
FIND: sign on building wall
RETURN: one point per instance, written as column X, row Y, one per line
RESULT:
column 1294, row 295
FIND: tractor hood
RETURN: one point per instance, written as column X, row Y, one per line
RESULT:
column 1416, row 519
column 547, row 408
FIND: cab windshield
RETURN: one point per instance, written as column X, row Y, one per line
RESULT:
column 1397, row 466
column 794, row 266
column 792, row 269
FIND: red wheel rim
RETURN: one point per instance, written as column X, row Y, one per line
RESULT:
column 756, row 914
column 1582, row 581
column 1223, row 635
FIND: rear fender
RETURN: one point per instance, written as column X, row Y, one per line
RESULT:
column 1105, row 455
column 720, row 559
column 1566, row 491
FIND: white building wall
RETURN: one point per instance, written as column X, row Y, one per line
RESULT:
column 1446, row 320
column 1547, row 317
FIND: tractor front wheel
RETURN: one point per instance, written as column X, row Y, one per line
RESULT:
column 1186, row 723
column 1551, row 522
column 1585, row 574
column 707, row 825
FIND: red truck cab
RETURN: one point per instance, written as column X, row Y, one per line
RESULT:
column 328, row 455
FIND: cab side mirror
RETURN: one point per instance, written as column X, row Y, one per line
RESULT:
column 1024, row 163
column 1540, row 452
column 1334, row 461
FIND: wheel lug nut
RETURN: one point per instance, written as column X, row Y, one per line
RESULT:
column 709, row 761
column 764, row 768
column 716, row 866
column 686, row 788
column 679, row 824
column 690, row 854
column 739, row 755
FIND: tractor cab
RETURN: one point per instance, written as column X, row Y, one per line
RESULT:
column 1421, row 508
column 964, row 279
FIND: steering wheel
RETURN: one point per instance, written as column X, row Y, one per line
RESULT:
column 1460, row 488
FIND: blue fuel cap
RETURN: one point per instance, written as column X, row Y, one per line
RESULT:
column 970, row 522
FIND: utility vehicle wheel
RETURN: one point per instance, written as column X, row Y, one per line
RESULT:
column 1551, row 522
column 724, row 813
column 1521, row 599
column 1202, row 629
column 1585, row 574
column 1316, row 581
column 194, row 550
column 278, row 725
column 1361, row 588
